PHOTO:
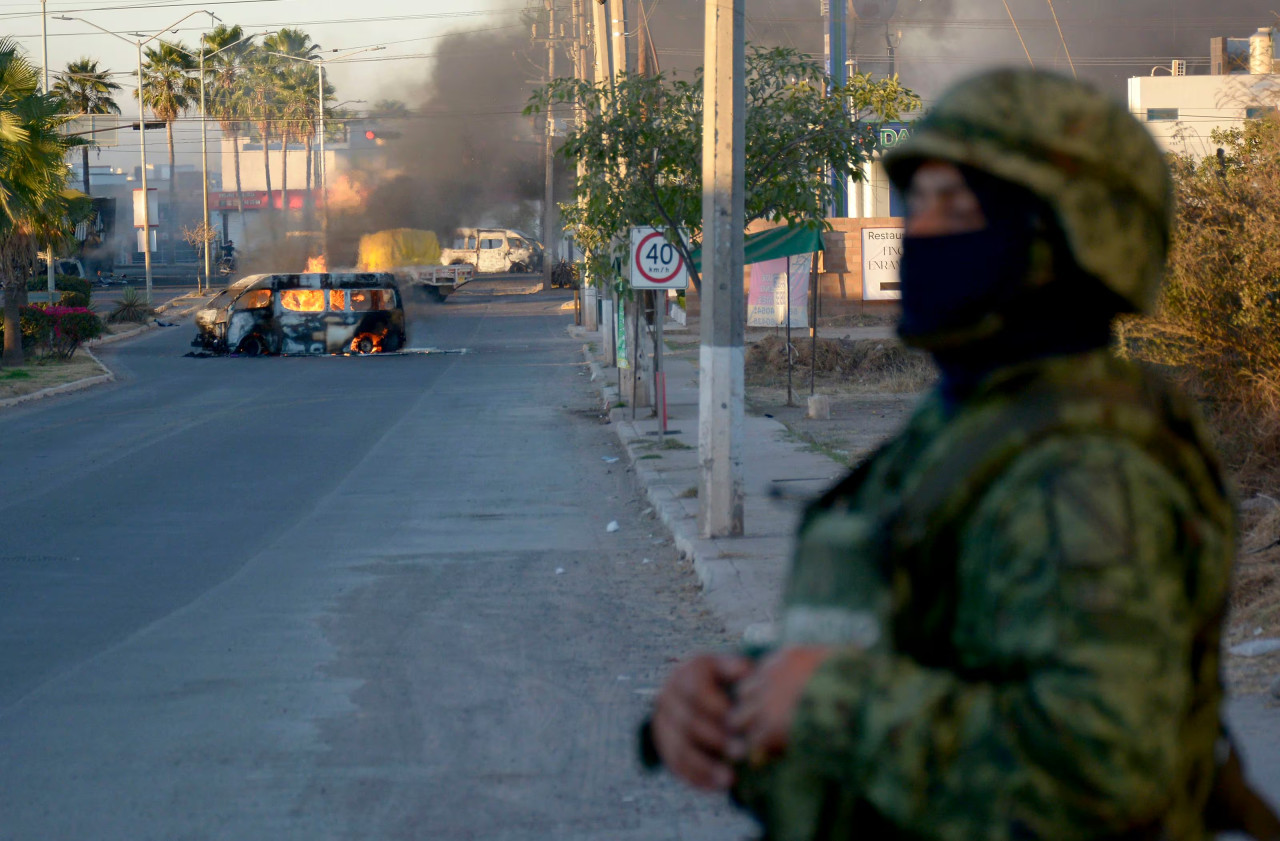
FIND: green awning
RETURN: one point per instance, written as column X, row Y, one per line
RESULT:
column 775, row 243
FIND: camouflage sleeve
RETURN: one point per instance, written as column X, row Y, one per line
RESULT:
column 1074, row 633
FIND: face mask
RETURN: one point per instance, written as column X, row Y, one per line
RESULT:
column 952, row 283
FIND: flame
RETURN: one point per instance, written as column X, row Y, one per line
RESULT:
column 374, row 342
column 317, row 264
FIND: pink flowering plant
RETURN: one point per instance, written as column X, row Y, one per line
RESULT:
column 69, row 327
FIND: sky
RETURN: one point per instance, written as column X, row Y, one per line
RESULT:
column 937, row 40
column 409, row 29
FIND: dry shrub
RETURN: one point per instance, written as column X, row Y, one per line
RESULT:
column 1218, row 322
column 865, row 364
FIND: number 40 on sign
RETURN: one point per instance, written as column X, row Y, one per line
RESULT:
column 655, row 262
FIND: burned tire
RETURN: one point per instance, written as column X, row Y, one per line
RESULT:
column 252, row 345
column 364, row 344
column 518, row 268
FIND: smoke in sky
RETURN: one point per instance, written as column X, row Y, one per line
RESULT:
column 466, row 156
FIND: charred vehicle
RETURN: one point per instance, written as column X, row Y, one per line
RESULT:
column 494, row 250
column 356, row 312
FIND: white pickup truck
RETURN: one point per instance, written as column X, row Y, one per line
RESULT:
column 436, row 282
column 494, row 250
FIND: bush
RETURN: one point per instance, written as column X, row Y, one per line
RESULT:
column 131, row 308
column 35, row 325
column 61, row 283
column 69, row 328
column 73, row 299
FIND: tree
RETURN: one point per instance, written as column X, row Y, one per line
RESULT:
column 392, row 109
column 225, row 89
column 35, row 203
column 84, row 89
column 287, row 107
column 169, row 89
column 642, row 145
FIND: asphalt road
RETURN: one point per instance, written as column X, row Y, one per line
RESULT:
column 337, row 598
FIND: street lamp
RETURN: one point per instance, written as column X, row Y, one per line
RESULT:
column 324, row 191
column 142, row 127
column 204, row 142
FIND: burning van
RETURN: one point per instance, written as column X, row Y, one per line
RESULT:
column 314, row 313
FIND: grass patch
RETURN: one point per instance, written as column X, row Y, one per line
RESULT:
column 648, row 456
column 689, row 493
column 47, row 373
column 669, row 443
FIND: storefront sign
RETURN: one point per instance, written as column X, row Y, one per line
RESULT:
column 881, row 253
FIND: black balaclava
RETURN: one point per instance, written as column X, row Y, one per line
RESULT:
column 1008, row 293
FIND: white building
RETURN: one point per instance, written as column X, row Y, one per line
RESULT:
column 1182, row 111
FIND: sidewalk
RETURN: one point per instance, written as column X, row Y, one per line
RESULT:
column 742, row 577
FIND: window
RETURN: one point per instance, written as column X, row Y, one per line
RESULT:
column 337, row 300
column 491, row 243
column 366, row 300
column 471, row 242
column 1258, row 112
column 1155, row 115
column 303, row 300
column 255, row 299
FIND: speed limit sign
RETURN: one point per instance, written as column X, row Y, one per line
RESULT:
column 655, row 262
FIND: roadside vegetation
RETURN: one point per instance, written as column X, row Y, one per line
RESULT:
column 1217, row 330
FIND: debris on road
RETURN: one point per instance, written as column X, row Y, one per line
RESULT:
column 612, row 527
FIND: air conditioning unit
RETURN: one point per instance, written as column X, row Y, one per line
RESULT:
column 1179, row 67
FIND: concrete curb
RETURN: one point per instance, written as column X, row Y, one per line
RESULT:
column 65, row 388
column 87, row 347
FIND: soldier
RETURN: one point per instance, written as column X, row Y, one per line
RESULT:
column 1005, row 623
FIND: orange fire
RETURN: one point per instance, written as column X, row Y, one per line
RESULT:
column 367, row 343
column 317, row 264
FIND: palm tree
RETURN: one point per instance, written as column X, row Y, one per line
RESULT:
column 291, row 93
column 261, row 103
column 35, row 203
column 84, row 89
column 226, row 86
column 169, row 89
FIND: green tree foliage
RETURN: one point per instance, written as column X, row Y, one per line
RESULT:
column 169, row 89
column 84, row 89
column 36, row 206
column 225, row 69
column 641, row 143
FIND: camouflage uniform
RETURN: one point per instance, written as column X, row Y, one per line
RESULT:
column 1026, row 588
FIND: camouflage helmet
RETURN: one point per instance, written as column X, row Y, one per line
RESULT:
column 1073, row 147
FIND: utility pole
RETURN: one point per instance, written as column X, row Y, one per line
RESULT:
column 633, row 384
column 550, row 238
column 44, row 71
column 720, row 391
column 582, row 70
column 837, row 53
column 604, row 75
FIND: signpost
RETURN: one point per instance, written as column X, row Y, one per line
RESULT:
column 655, row 262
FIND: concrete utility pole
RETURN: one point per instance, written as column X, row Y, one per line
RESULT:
column 604, row 74
column 837, row 50
column 720, row 391
column 582, row 71
column 550, row 237
column 633, row 385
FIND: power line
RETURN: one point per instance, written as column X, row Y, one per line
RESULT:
column 1064, row 40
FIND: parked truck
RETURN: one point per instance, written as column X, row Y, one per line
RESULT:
column 493, row 250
